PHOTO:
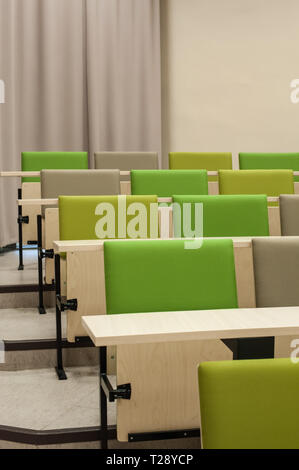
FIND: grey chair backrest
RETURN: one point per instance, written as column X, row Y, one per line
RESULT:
column 276, row 271
column 126, row 161
column 56, row 183
column 289, row 214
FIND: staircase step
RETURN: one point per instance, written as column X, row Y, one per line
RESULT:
column 21, row 325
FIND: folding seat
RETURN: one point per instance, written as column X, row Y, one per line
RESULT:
column 289, row 214
column 210, row 161
column 249, row 404
column 37, row 161
column 276, row 274
column 269, row 182
column 126, row 161
column 56, row 183
column 87, row 218
column 224, row 216
column 270, row 161
column 273, row 183
column 165, row 183
column 162, row 276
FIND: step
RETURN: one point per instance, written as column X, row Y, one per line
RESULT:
column 19, row 288
column 25, row 324
column 36, row 401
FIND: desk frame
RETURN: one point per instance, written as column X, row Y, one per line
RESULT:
column 242, row 348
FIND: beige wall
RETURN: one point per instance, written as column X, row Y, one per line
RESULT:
column 227, row 68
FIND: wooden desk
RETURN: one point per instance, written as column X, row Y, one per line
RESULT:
column 108, row 330
column 122, row 173
column 19, row 174
column 54, row 201
column 67, row 246
column 158, row 353
column 26, row 174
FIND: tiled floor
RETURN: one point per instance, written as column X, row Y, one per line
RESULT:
column 38, row 400
column 9, row 262
column 27, row 323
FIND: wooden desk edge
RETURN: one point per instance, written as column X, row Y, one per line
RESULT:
column 182, row 336
column 66, row 246
column 30, row 174
column 54, row 201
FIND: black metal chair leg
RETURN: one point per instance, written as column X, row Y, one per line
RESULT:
column 59, row 368
column 103, row 399
column 41, row 307
column 20, row 227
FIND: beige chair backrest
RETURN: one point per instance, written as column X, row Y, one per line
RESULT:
column 56, row 183
column 276, row 271
column 126, row 161
column 289, row 214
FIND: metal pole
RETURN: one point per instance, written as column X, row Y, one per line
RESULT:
column 59, row 369
column 103, row 398
column 21, row 265
column 41, row 306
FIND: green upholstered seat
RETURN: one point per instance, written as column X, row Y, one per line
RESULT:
column 269, row 161
column 289, row 214
column 78, row 218
column 165, row 183
column 249, row 404
column 210, row 161
column 225, row 216
column 37, row 161
column 161, row 275
column 269, row 182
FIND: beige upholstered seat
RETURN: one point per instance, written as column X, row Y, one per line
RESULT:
column 126, row 161
column 276, row 271
column 56, row 183
column 289, row 214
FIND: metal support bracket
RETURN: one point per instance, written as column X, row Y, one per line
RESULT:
column 71, row 304
column 46, row 253
column 121, row 392
column 23, row 219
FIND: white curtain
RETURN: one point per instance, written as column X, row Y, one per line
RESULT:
column 79, row 75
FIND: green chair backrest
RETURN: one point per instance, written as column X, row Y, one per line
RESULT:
column 223, row 216
column 37, row 161
column 210, row 161
column 269, row 161
column 165, row 183
column 94, row 217
column 161, row 275
column 249, row 404
column 269, row 182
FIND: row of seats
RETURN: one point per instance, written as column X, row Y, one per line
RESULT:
column 223, row 216
column 36, row 161
column 165, row 183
